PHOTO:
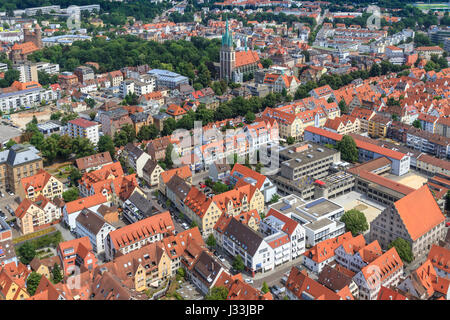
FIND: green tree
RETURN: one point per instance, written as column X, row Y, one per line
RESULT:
column 26, row 252
column 416, row 124
column 10, row 143
column 275, row 198
column 403, row 248
column 92, row 115
column 265, row 287
column 217, row 293
column 168, row 159
column 220, row 187
column 147, row 133
column 290, row 140
column 348, row 149
column 211, row 241
column 181, row 274
column 90, row 102
column 129, row 131
column 71, row 194
column 33, row 282
column 238, row 264
column 56, row 274
column 56, row 115
column 83, row 147
column 106, row 143
column 355, row 222
column 250, row 117
column 343, row 106
column 266, row 63
column 74, row 176
column 10, row 76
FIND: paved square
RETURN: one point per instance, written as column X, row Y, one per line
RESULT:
column 412, row 179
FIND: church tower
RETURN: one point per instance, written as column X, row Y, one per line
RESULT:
column 227, row 55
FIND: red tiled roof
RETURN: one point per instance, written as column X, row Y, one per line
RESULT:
column 419, row 212
column 359, row 143
column 80, row 122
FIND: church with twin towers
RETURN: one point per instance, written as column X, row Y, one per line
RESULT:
column 234, row 64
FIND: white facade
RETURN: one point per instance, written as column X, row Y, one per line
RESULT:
column 12, row 101
column 90, row 132
column 97, row 240
column 70, row 218
column 277, row 225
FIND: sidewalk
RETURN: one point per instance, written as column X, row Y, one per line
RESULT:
column 281, row 269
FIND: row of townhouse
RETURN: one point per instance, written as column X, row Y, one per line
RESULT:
column 26, row 95
column 430, row 143
column 216, row 146
column 369, row 266
column 41, row 202
column 292, row 119
column 110, row 181
column 205, row 211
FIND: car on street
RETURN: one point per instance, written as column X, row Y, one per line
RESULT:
column 185, row 226
column 250, row 281
column 10, row 193
column 274, row 289
column 207, row 190
column 202, row 185
column 221, row 258
column 284, row 279
column 448, row 224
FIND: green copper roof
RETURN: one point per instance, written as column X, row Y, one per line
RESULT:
column 227, row 38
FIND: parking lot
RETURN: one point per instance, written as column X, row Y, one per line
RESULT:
column 189, row 292
column 8, row 201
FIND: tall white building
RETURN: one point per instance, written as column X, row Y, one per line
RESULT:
column 28, row 72
column 84, row 129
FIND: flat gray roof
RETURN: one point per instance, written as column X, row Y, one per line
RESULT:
column 8, row 132
column 300, row 158
column 319, row 224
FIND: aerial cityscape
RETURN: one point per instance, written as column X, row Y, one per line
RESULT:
column 224, row 150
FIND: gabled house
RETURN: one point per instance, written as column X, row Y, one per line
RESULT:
column 93, row 226
column 40, row 183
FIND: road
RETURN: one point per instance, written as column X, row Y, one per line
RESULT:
column 165, row 13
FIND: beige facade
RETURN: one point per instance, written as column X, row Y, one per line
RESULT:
column 50, row 189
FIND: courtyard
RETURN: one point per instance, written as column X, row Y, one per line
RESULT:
column 358, row 201
column 412, row 179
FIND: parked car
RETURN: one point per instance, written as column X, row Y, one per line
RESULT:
column 448, row 224
column 284, row 279
column 221, row 258
column 274, row 289
column 249, row 281
column 10, row 193
column 207, row 190
column 185, row 226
